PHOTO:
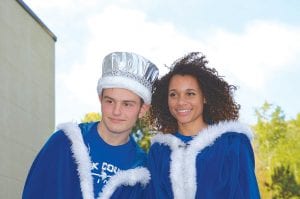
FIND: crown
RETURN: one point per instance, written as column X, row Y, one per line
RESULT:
column 129, row 71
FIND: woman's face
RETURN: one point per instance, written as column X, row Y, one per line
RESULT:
column 185, row 100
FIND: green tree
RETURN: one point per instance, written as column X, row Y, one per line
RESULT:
column 277, row 152
column 283, row 183
column 91, row 117
column 142, row 133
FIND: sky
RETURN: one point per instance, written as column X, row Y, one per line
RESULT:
column 254, row 45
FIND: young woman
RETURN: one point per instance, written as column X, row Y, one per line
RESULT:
column 204, row 152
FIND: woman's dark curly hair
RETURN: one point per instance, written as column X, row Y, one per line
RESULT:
column 219, row 106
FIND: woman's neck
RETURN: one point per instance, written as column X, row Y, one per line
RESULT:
column 191, row 129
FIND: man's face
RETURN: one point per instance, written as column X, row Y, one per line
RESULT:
column 120, row 110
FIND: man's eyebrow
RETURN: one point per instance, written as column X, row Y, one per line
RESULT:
column 107, row 97
column 124, row 101
column 129, row 101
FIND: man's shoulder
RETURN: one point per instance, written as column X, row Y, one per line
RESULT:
column 57, row 137
column 86, row 126
column 140, row 154
column 71, row 128
column 57, row 142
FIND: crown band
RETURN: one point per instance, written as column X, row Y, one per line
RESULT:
column 129, row 75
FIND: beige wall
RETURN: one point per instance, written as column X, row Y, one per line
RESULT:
column 26, row 93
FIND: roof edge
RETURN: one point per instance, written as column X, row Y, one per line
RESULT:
column 37, row 19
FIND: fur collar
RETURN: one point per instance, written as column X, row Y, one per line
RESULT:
column 81, row 155
column 82, row 158
column 182, row 175
column 128, row 177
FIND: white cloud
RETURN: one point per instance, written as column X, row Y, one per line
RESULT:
column 249, row 57
column 254, row 55
column 118, row 29
column 124, row 29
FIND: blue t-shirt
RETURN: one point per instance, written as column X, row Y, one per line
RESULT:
column 106, row 159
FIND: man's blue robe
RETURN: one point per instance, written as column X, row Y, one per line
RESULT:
column 62, row 170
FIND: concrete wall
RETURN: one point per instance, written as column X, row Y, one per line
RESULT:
column 26, row 93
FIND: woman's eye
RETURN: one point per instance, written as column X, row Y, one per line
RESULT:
column 190, row 94
column 172, row 94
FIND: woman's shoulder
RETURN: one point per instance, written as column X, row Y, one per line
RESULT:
column 233, row 142
column 230, row 132
column 234, row 137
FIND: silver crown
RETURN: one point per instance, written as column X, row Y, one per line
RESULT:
column 130, row 65
column 129, row 71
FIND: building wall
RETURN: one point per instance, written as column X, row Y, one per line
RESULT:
column 27, row 101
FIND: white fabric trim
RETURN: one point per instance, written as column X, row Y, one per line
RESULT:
column 177, row 155
column 126, row 83
column 82, row 158
column 128, row 177
column 81, row 155
column 182, row 175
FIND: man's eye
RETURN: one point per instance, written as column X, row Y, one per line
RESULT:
column 109, row 101
column 128, row 104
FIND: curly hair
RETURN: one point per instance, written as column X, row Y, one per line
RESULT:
column 219, row 106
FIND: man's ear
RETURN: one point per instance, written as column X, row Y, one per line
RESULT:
column 143, row 110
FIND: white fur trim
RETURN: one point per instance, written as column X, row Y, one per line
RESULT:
column 168, row 140
column 128, row 177
column 126, row 83
column 177, row 155
column 82, row 158
column 182, row 175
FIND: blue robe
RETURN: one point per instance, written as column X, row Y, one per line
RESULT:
column 62, row 170
column 216, row 163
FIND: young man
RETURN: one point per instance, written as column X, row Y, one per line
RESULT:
column 101, row 159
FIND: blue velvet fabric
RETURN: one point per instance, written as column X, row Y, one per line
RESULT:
column 54, row 175
column 224, row 169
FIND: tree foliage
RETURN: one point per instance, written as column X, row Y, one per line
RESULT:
column 283, row 183
column 91, row 117
column 278, row 152
column 141, row 132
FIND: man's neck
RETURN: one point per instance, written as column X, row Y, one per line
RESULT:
column 110, row 138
